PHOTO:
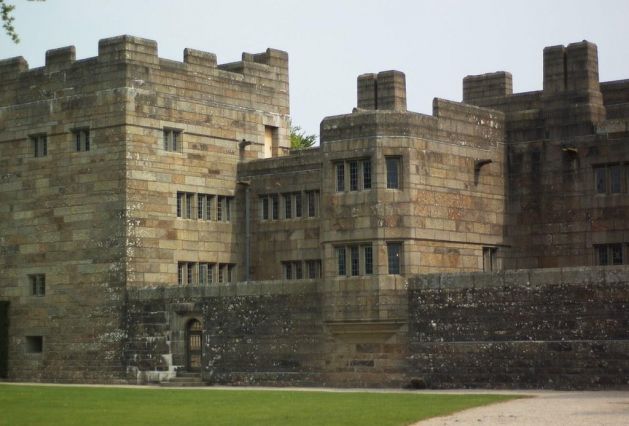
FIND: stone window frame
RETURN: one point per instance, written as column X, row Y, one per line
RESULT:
column 186, row 205
column 393, row 171
column 204, row 273
column 203, row 206
column 490, row 259
column 313, row 268
column 312, row 203
column 172, row 139
column 293, row 270
column 610, row 254
column 394, row 260
column 226, row 273
column 285, row 205
column 351, row 259
column 606, row 182
column 81, row 139
column 353, row 174
column 37, row 285
column 39, row 144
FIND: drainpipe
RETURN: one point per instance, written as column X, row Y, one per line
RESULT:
column 247, row 184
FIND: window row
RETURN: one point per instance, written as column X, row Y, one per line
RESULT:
column 289, row 205
column 80, row 141
column 294, row 269
column 611, row 254
column 356, row 174
column 205, row 273
column 204, row 206
column 611, row 178
column 357, row 259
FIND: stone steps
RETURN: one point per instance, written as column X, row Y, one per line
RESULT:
column 185, row 379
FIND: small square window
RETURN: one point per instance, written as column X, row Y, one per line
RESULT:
column 40, row 145
column 37, row 284
column 81, row 139
column 172, row 140
column 34, row 344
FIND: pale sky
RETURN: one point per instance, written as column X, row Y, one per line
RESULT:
column 330, row 43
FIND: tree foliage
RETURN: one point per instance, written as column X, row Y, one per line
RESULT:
column 299, row 139
column 6, row 13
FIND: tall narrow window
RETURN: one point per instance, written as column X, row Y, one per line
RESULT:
column 209, row 208
column 298, row 204
column 615, row 178
column 81, row 139
column 201, row 206
column 288, row 207
column 393, row 172
column 182, row 269
column 340, row 177
column 202, row 274
column 616, row 254
column 172, row 140
column 366, row 174
column 40, row 145
column 489, row 259
column 602, row 255
column 354, row 260
column 38, row 284
column 288, row 270
column 353, row 175
column 600, row 179
column 264, row 206
column 220, row 208
column 275, row 206
column 299, row 273
column 188, row 209
column 312, row 200
column 340, row 257
column 368, row 256
column 190, row 273
column 270, row 141
column 394, row 253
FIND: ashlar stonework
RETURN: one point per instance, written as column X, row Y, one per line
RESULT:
column 155, row 227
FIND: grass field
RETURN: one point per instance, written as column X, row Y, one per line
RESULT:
column 56, row 405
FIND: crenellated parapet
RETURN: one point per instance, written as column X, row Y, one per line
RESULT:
column 269, row 68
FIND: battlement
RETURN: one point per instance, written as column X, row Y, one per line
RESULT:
column 483, row 86
column 572, row 68
column 383, row 91
column 129, row 49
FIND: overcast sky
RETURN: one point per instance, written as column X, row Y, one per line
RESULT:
column 436, row 43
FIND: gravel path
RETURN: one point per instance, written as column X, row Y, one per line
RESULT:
column 607, row 408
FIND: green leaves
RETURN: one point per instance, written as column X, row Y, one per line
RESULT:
column 299, row 139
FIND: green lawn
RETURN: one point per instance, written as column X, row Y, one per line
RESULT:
column 44, row 405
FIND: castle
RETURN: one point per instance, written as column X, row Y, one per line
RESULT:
column 155, row 226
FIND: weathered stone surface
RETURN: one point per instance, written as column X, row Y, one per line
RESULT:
column 320, row 258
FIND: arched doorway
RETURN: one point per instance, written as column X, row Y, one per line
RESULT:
column 194, row 337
